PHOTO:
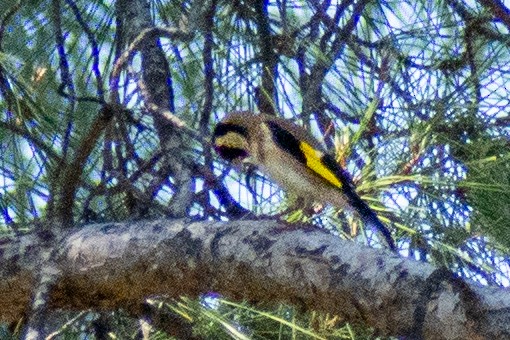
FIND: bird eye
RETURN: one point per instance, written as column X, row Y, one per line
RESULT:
column 231, row 154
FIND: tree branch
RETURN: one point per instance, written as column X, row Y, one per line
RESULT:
column 266, row 93
column 498, row 9
column 118, row 265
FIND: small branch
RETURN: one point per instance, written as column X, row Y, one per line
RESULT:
column 31, row 138
column 498, row 9
column 65, row 73
column 311, row 85
column 209, row 74
column 267, row 92
column 71, row 174
column 93, row 45
column 61, row 91
column 480, row 25
column 149, row 33
column 208, row 61
column 232, row 208
column 47, row 275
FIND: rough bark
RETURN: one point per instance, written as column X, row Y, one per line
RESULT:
column 118, row 265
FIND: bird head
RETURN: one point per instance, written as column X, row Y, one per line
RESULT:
column 231, row 139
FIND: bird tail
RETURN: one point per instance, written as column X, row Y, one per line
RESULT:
column 369, row 217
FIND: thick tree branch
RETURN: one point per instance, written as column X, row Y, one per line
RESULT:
column 156, row 88
column 118, row 265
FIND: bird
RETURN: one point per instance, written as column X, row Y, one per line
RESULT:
column 293, row 158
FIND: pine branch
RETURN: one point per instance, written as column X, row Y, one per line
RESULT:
column 119, row 265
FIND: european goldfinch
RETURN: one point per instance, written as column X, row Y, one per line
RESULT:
column 292, row 158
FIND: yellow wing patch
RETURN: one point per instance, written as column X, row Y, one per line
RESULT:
column 314, row 163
